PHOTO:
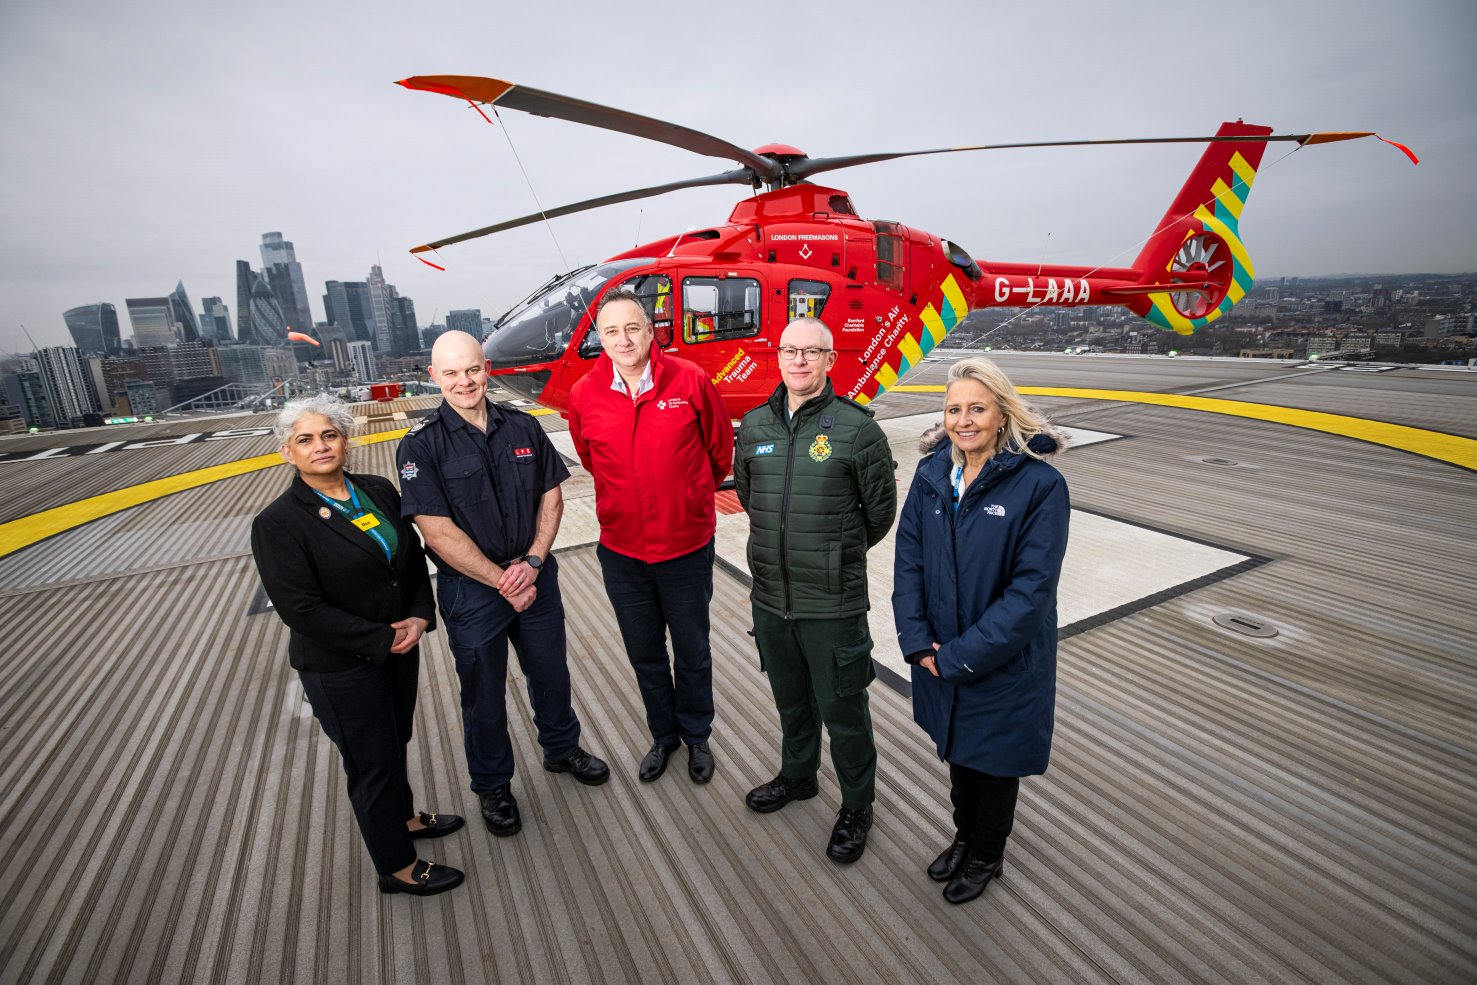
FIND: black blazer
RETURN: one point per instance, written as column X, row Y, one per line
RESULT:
column 330, row 582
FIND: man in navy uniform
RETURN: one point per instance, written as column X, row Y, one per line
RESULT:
column 481, row 482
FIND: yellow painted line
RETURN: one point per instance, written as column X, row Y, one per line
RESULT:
column 1430, row 444
column 28, row 530
column 1243, row 170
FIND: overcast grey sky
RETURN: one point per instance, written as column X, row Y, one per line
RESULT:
column 146, row 144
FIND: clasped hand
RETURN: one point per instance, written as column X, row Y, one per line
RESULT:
column 408, row 633
column 516, row 585
column 931, row 664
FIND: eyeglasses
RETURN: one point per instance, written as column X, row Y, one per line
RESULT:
column 789, row 352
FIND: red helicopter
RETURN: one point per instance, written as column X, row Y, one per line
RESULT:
column 720, row 296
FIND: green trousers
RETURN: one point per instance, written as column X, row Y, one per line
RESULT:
column 819, row 670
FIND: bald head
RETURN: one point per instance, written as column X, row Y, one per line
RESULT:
column 459, row 368
column 456, row 346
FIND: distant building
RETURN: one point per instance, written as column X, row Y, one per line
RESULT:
column 259, row 317
column 94, row 328
column 27, row 390
column 383, row 308
column 215, row 321
column 142, row 397
column 430, row 334
column 68, row 384
column 194, row 360
column 153, row 322
column 362, row 356
column 347, row 305
column 118, row 372
column 186, row 326
column 407, row 332
column 467, row 320
column 279, row 262
column 246, row 364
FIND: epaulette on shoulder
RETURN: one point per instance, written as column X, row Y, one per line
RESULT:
column 420, row 425
column 861, row 407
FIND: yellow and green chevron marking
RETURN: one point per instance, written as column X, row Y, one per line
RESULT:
column 936, row 322
column 1223, row 220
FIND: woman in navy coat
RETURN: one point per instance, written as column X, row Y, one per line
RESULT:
column 979, row 550
column 348, row 577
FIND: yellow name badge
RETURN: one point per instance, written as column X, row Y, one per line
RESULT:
column 367, row 522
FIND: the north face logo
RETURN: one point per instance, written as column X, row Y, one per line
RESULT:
column 995, row 509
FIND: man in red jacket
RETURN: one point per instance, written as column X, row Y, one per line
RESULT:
column 653, row 432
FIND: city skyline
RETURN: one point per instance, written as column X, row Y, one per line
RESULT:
column 290, row 117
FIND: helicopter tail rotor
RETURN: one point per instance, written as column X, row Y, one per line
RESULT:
column 1197, row 246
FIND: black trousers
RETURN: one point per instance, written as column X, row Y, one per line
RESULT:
column 653, row 601
column 984, row 809
column 367, row 712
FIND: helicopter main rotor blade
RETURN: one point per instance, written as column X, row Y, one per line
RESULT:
column 741, row 176
column 815, row 165
column 540, row 103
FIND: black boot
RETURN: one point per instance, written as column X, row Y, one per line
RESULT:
column 972, row 878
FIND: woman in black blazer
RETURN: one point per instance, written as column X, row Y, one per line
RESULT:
column 348, row 577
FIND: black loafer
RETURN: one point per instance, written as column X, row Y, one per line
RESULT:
column 589, row 770
column 942, row 869
column 771, row 796
column 654, row 763
column 699, row 762
column 430, row 879
column 500, row 811
column 849, row 835
column 972, row 878
column 438, row 825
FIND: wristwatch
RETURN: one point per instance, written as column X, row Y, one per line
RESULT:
column 534, row 561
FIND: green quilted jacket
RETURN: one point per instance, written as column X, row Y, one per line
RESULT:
column 819, row 490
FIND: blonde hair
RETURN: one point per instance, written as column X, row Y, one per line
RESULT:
column 1022, row 422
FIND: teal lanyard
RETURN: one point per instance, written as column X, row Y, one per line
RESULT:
column 958, row 486
column 355, row 514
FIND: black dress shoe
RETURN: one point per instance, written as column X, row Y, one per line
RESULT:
column 654, row 763
column 429, row 877
column 500, row 811
column 700, row 762
column 972, row 878
column 942, row 869
column 771, row 796
column 587, row 769
column 849, row 835
column 438, row 825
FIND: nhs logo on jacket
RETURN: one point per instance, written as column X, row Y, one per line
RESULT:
column 764, row 449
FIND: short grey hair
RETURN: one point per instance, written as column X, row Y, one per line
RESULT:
column 826, row 334
column 322, row 404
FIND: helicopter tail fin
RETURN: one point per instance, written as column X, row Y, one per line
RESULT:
column 1198, row 244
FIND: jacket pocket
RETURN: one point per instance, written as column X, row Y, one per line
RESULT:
column 854, row 665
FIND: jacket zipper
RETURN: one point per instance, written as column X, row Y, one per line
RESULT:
column 785, row 514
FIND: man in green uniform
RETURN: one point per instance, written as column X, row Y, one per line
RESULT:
column 815, row 474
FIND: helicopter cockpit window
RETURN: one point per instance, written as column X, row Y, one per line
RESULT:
column 540, row 328
column 719, row 308
column 655, row 293
column 808, row 298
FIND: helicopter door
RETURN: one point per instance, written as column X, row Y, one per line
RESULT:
column 892, row 256
column 722, row 318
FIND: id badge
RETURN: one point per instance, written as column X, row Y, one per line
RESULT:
column 367, row 522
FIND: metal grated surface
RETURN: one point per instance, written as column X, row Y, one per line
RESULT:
column 1219, row 809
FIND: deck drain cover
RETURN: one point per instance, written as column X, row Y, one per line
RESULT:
column 1220, row 461
column 1245, row 624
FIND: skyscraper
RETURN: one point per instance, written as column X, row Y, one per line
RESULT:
column 215, row 320
column 383, row 307
column 68, row 384
column 467, row 320
column 347, row 305
column 259, row 318
column 279, row 263
column 362, row 355
column 407, row 332
column 186, row 327
column 153, row 322
column 94, row 328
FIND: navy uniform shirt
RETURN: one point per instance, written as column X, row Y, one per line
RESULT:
column 488, row 484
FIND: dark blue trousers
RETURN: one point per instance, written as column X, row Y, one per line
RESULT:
column 651, row 601
column 368, row 711
column 479, row 625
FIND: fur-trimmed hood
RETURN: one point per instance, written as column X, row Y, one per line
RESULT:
column 1048, row 442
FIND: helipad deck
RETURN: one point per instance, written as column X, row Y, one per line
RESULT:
column 1220, row 808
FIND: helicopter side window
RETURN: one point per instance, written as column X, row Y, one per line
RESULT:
column 890, row 260
column 655, row 293
column 714, row 308
column 808, row 298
